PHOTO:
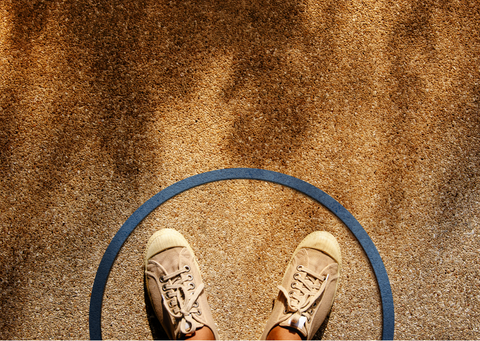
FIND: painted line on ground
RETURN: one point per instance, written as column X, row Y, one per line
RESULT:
column 231, row 174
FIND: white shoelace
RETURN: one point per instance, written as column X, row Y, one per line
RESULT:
column 179, row 296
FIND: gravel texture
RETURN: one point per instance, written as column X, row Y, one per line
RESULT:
column 105, row 103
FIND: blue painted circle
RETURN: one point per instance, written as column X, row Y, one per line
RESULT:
column 251, row 174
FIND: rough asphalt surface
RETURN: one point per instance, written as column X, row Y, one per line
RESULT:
column 105, row 103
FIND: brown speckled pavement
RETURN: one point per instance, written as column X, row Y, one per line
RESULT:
column 105, row 103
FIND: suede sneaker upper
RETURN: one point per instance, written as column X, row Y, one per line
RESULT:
column 308, row 286
column 175, row 288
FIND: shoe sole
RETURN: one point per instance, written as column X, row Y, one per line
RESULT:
column 165, row 239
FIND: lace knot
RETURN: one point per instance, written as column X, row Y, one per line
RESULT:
column 180, row 296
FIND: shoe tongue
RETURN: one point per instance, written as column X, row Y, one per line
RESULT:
column 296, row 321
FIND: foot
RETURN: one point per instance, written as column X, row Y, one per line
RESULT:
column 175, row 287
column 308, row 287
column 283, row 333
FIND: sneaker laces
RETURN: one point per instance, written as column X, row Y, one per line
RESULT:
column 179, row 296
column 306, row 289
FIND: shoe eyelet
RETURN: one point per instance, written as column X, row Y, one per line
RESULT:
column 170, row 304
column 164, row 287
column 191, row 285
column 162, row 279
column 189, row 277
column 299, row 267
column 195, row 305
column 314, row 304
column 199, row 312
column 296, row 275
column 186, row 267
column 285, row 311
column 293, row 285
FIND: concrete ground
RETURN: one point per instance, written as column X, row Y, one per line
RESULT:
column 105, row 103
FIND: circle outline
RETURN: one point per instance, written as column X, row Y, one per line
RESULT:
column 304, row 187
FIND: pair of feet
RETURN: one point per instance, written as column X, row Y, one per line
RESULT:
column 177, row 294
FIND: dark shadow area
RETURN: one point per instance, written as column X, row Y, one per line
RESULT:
column 8, row 129
column 108, row 34
column 412, row 36
column 72, row 159
column 94, row 113
column 417, row 137
column 158, row 333
column 30, row 21
column 290, row 67
column 271, row 126
column 319, row 334
column 115, row 62
column 461, row 119
column 433, row 140
column 270, row 58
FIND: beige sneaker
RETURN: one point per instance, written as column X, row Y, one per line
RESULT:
column 175, row 286
column 308, row 286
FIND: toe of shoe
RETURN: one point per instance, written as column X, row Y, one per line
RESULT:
column 162, row 240
column 322, row 241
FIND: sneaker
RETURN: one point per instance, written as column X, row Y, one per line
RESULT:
column 174, row 285
column 308, row 286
